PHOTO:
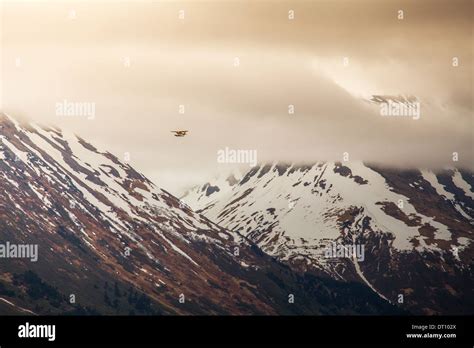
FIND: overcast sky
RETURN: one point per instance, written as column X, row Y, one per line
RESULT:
column 78, row 51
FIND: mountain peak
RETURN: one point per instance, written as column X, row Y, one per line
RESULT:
column 95, row 221
column 294, row 212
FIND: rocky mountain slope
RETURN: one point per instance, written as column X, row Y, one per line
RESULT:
column 110, row 242
column 416, row 226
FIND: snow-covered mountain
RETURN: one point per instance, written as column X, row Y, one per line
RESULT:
column 416, row 227
column 199, row 196
column 110, row 241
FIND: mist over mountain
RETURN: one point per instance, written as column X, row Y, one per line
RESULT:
column 246, row 77
column 109, row 241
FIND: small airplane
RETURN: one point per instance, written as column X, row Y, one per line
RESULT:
column 179, row 133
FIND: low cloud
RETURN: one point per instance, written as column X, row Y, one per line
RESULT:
column 140, row 83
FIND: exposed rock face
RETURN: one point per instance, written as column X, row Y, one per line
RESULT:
column 416, row 226
column 111, row 242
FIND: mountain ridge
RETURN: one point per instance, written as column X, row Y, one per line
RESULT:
column 411, row 222
column 111, row 242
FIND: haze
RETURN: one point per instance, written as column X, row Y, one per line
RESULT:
column 235, row 67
